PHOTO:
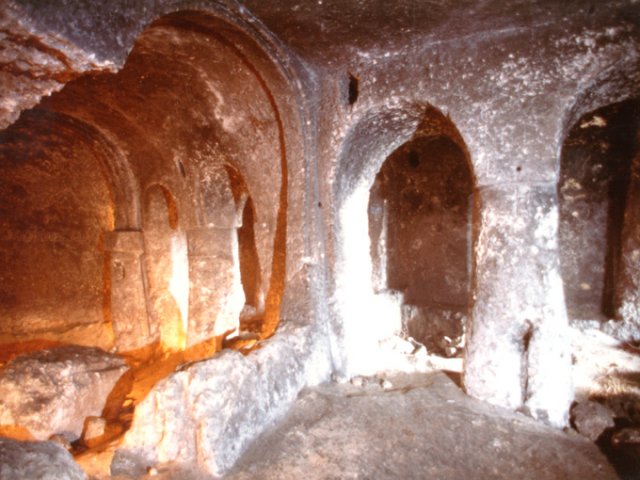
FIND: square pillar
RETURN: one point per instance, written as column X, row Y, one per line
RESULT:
column 216, row 296
column 518, row 346
column 128, row 304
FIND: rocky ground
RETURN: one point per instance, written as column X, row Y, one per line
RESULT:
column 417, row 425
column 412, row 424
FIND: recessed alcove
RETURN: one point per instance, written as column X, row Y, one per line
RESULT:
column 145, row 212
column 594, row 199
column 420, row 209
column 56, row 204
column 405, row 194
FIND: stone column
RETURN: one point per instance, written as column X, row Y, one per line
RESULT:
column 518, row 345
column 128, row 305
column 215, row 295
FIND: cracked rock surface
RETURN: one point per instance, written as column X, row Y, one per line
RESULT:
column 53, row 391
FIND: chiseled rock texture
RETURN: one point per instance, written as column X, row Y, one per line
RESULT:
column 37, row 461
column 206, row 413
column 53, row 391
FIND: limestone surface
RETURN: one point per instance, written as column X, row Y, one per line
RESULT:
column 53, row 391
column 36, row 460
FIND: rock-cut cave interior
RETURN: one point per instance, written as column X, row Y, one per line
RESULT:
column 319, row 239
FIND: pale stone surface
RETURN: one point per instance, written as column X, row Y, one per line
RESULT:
column 37, row 461
column 35, row 64
column 53, row 391
column 518, row 346
column 207, row 412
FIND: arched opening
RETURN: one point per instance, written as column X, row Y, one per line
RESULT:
column 420, row 209
column 595, row 198
column 56, row 202
column 200, row 91
column 167, row 270
column 404, row 195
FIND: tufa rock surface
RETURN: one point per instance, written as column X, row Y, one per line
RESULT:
column 53, row 391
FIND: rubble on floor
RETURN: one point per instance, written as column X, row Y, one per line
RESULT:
column 591, row 419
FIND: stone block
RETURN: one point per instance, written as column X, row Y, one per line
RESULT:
column 53, row 391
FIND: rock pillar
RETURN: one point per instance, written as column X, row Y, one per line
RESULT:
column 128, row 305
column 215, row 296
column 518, row 348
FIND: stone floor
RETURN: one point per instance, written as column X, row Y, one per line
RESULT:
column 414, row 428
column 410, row 426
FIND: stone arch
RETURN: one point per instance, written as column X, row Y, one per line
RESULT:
column 166, row 114
column 188, row 113
column 420, row 209
column 617, row 83
column 248, row 258
column 365, row 317
column 244, row 104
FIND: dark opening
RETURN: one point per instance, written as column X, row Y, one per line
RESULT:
column 249, row 262
column 419, row 224
column 593, row 187
column 353, row 89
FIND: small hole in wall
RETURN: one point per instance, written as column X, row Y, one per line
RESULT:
column 181, row 169
column 413, row 159
column 319, row 204
column 353, row 89
column 518, row 168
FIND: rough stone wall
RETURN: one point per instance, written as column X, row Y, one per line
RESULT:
column 510, row 90
column 306, row 102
